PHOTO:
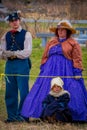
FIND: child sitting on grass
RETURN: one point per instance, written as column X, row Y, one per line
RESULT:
column 55, row 105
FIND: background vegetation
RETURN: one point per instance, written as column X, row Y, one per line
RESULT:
column 50, row 8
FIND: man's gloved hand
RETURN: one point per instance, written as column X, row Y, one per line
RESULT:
column 8, row 54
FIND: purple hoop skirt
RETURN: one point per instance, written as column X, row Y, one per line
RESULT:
column 57, row 65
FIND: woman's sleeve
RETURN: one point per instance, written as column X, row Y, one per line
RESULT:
column 77, row 57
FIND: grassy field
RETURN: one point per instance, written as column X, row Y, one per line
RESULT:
column 36, row 59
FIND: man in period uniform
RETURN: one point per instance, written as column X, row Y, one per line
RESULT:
column 16, row 48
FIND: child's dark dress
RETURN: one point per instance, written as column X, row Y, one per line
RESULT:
column 58, row 106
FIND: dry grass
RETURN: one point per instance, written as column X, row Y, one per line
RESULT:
column 42, row 126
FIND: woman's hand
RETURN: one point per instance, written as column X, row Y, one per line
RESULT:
column 77, row 77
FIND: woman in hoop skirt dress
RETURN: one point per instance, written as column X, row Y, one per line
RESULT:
column 62, row 57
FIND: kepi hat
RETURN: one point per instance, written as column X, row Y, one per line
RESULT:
column 57, row 81
column 13, row 16
column 64, row 24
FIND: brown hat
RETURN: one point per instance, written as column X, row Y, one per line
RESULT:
column 64, row 24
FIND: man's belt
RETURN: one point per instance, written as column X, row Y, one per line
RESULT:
column 12, row 58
